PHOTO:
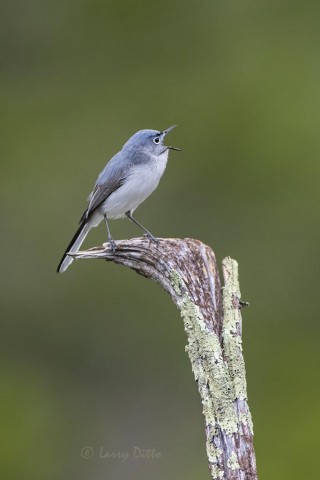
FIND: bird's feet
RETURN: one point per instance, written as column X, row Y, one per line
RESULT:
column 151, row 237
column 113, row 246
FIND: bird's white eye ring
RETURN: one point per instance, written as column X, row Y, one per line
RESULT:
column 156, row 140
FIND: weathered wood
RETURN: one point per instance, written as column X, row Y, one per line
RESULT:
column 187, row 269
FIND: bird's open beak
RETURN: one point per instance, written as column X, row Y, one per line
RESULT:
column 175, row 148
column 165, row 133
column 169, row 129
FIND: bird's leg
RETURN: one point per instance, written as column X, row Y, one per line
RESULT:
column 111, row 241
column 146, row 232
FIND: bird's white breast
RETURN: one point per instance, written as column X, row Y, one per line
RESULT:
column 141, row 181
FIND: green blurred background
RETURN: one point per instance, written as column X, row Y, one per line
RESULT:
column 95, row 357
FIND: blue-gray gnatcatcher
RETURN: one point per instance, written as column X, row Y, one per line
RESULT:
column 125, row 182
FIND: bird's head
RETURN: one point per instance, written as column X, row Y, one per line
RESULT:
column 150, row 141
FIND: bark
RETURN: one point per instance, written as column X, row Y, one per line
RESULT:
column 187, row 270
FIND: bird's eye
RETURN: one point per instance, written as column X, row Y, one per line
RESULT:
column 156, row 140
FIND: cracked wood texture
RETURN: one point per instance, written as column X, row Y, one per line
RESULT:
column 187, row 270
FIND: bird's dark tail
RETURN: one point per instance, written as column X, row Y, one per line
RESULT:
column 75, row 244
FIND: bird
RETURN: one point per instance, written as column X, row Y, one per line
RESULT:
column 127, row 180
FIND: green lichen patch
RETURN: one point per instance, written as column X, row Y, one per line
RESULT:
column 216, row 472
column 218, row 369
column 232, row 462
column 246, row 419
column 232, row 341
column 209, row 368
column 176, row 281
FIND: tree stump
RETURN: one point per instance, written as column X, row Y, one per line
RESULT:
column 187, row 270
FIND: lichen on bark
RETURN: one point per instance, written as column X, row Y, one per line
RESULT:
column 187, row 270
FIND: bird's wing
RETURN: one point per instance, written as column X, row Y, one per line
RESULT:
column 109, row 180
column 101, row 192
